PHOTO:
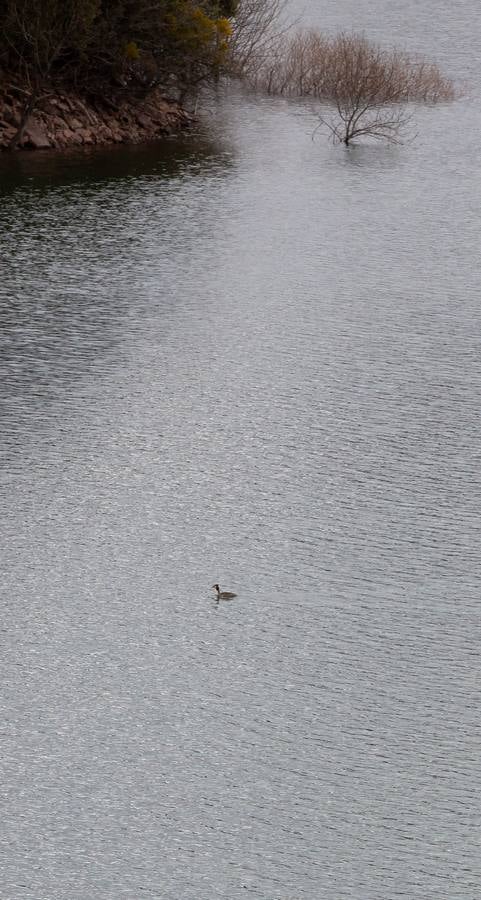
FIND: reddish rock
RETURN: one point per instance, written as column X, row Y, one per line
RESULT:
column 74, row 123
column 67, row 136
column 9, row 116
column 86, row 135
column 6, row 135
column 50, row 107
column 65, row 120
column 35, row 136
column 105, row 134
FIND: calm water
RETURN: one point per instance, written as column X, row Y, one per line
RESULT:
column 253, row 358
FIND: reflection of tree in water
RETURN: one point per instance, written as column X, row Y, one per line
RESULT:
column 167, row 158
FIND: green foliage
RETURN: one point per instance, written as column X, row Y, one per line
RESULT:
column 196, row 40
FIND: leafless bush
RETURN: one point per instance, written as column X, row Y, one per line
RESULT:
column 259, row 28
column 296, row 67
column 368, row 86
column 426, row 83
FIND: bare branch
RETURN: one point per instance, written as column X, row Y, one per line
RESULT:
column 368, row 85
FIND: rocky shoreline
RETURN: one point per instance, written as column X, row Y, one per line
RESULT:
column 62, row 119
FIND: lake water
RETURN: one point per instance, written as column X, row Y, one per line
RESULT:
column 249, row 357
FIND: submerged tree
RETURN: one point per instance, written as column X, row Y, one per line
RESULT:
column 108, row 48
column 368, row 86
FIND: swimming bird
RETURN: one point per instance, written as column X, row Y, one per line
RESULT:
column 223, row 595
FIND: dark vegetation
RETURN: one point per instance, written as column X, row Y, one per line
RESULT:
column 128, row 48
column 106, row 47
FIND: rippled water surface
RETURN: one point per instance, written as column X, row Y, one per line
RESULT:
column 254, row 358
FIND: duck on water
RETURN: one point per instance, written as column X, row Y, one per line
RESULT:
column 223, row 595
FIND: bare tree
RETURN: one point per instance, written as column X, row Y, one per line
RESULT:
column 293, row 65
column 37, row 33
column 258, row 28
column 368, row 86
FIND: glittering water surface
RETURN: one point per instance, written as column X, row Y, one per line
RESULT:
column 250, row 358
